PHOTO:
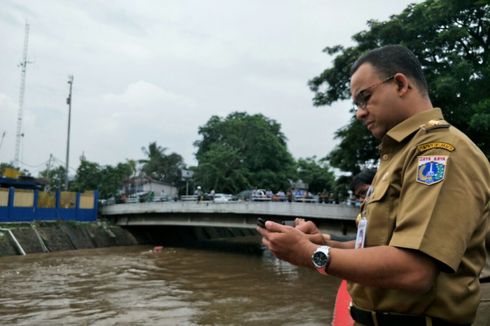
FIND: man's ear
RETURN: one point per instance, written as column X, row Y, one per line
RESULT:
column 402, row 82
column 399, row 83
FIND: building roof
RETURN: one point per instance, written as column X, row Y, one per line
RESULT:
column 21, row 183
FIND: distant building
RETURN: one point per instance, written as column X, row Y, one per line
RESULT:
column 146, row 184
column 11, row 177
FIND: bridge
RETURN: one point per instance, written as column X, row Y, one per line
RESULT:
column 329, row 217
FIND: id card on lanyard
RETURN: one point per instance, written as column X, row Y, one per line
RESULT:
column 362, row 226
column 361, row 233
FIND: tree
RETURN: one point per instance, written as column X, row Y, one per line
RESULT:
column 357, row 148
column 450, row 38
column 112, row 178
column 133, row 167
column 316, row 173
column 55, row 177
column 88, row 177
column 160, row 166
column 106, row 179
column 243, row 151
column 221, row 168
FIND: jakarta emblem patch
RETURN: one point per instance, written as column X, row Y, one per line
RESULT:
column 431, row 169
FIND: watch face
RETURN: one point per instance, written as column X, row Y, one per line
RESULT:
column 320, row 259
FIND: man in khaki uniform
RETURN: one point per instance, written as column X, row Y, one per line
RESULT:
column 421, row 242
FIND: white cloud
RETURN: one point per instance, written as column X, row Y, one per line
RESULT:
column 157, row 70
column 146, row 96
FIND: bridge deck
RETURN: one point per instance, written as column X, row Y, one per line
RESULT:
column 231, row 214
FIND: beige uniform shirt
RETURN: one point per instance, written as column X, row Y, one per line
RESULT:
column 431, row 194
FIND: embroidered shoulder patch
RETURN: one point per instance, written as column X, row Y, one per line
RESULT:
column 427, row 146
column 431, row 169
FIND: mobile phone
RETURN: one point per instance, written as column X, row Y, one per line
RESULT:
column 261, row 221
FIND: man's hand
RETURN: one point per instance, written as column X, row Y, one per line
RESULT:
column 304, row 226
column 383, row 266
column 312, row 231
column 287, row 243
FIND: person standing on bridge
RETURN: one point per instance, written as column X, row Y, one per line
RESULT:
column 423, row 223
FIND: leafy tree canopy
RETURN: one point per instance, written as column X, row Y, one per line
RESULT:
column 160, row 166
column 55, row 177
column 451, row 40
column 316, row 173
column 106, row 179
column 243, row 151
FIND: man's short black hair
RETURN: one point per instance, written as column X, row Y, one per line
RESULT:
column 391, row 59
column 364, row 177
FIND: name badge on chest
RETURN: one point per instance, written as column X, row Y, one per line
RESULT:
column 362, row 225
column 361, row 233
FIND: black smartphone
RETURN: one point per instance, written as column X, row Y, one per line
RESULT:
column 261, row 221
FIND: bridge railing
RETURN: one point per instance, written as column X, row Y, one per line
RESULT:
column 188, row 197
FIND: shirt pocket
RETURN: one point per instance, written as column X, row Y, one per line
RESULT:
column 379, row 214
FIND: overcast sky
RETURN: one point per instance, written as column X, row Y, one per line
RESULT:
column 155, row 70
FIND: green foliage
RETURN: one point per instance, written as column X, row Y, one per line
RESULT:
column 55, row 177
column 106, row 179
column 317, row 174
column 220, row 168
column 450, row 38
column 243, row 151
column 88, row 177
column 357, row 147
column 160, row 166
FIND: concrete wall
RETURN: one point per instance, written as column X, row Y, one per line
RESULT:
column 49, row 237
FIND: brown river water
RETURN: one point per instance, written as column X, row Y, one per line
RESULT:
column 177, row 286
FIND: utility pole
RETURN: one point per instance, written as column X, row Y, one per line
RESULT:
column 3, row 137
column 47, row 188
column 48, row 166
column 68, row 101
column 23, row 65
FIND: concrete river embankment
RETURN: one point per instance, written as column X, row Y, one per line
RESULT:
column 25, row 238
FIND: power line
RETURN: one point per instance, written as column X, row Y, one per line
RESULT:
column 49, row 164
column 33, row 166
column 62, row 163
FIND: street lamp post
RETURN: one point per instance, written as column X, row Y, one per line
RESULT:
column 186, row 175
column 68, row 101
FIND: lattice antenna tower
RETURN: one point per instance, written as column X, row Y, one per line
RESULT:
column 23, row 66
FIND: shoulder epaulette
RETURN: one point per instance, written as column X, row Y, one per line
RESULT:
column 435, row 124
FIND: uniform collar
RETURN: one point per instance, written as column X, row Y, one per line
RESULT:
column 407, row 127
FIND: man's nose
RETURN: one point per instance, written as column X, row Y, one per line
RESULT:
column 361, row 114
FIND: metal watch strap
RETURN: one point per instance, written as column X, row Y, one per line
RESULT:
column 325, row 250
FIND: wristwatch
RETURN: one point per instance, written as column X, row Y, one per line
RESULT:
column 321, row 259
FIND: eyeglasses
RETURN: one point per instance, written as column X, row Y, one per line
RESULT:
column 363, row 97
